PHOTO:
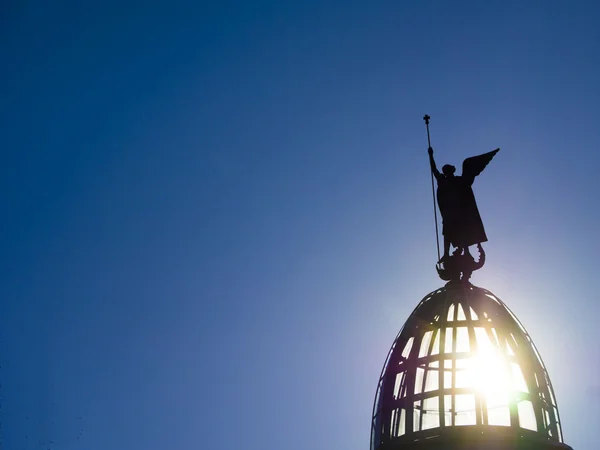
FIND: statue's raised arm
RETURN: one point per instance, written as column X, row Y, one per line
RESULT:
column 474, row 165
column 434, row 169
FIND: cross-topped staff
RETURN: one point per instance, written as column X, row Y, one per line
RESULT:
column 437, row 239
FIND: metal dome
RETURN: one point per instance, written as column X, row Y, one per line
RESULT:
column 464, row 373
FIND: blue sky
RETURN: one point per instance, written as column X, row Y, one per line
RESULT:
column 215, row 219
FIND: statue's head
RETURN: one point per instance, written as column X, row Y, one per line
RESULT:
column 448, row 170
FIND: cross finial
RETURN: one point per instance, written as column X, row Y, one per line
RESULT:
column 426, row 119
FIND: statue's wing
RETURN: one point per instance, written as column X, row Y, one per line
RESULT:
column 474, row 165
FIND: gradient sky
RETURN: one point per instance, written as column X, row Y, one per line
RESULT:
column 215, row 219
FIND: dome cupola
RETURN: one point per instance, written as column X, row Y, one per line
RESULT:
column 464, row 370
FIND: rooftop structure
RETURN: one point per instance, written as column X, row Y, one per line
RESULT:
column 463, row 373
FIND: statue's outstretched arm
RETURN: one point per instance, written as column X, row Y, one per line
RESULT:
column 434, row 169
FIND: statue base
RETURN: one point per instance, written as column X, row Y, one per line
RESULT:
column 460, row 265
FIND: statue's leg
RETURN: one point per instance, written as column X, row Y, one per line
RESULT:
column 446, row 248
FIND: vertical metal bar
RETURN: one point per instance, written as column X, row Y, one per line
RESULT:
column 437, row 236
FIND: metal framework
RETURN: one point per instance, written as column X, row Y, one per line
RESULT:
column 464, row 369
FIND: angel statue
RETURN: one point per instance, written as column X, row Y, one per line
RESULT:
column 461, row 222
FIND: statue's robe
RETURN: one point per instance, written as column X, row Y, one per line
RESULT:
column 461, row 222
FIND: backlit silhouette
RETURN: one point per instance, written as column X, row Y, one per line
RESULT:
column 461, row 223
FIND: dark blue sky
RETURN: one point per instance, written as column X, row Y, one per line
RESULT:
column 215, row 219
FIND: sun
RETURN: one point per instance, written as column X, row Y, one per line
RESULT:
column 490, row 377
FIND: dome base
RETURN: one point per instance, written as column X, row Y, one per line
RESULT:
column 475, row 438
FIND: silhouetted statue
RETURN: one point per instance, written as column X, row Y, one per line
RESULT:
column 461, row 222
